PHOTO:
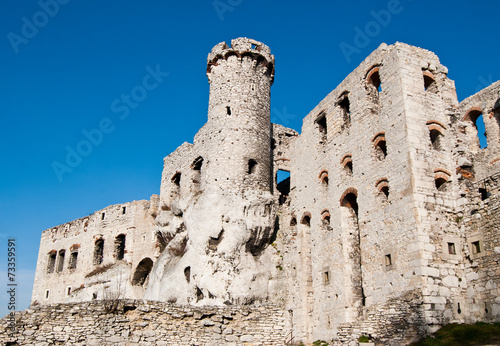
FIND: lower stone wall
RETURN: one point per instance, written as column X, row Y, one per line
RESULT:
column 144, row 323
column 396, row 322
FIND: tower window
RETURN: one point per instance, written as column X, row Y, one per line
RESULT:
column 344, row 106
column 346, row 162
column 383, row 187
column 373, row 79
column 251, row 166
column 349, row 199
column 475, row 116
column 103, row 215
column 187, row 274
column 124, row 210
column 228, row 110
column 325, row 216
column 322, row 127
column 380, row 145
column 441, row 178
column 429, row 82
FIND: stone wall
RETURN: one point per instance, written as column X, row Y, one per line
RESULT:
column 69, row 268
column 145, row 323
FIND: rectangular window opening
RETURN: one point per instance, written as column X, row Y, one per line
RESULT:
column 103, row 215
column 476, row 247
column 124, row 210
column 47, row 294
column 68, row 291
column 388, row 260
column 451, row 249
column 326, row 278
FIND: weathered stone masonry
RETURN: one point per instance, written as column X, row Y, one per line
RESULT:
column 386, row 227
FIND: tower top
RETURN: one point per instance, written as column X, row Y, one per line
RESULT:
column 241, row 47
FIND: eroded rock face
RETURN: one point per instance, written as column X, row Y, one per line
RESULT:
column 219, row 251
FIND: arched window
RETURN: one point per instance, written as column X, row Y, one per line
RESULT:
column 382, row 186
column 349, row 199
column 98, row 251
column 322, row 127
column 436, row 130
column 441, row 177
column 346, row 162
column 293, row 221
column 306, row 219
column 373, row 80
column 475, row 116
column 429, row 82
column 142, row 271
column 325, row 216
column 380, row 145
column 323, row 177
column 120, row 246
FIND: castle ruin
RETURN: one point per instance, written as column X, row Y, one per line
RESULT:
column 387, row 227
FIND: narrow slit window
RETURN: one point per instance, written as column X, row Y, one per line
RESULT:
column 388, row 260
column 322, row 127
column 47, row 292
column 124, row 210
column 345, row 109
column 103, row 215
column 228, row 110
column 326, row 278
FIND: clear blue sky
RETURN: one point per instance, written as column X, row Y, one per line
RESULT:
column 62, row 70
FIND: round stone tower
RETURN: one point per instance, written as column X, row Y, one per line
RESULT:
column 240, row 80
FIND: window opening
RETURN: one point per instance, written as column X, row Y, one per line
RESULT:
column 451, row 249
column 73, row 259
column 60, row 261
column 142, row 271
column 98, row 251
column 124, row 210
column 176, row 179
column 306, row 219
column 52, row 262
column 388, row 260
column 476, row 248
column 228, row 110
column 120, row 246
column 251, row 166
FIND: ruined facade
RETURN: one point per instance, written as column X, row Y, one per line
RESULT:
column 387, row 226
